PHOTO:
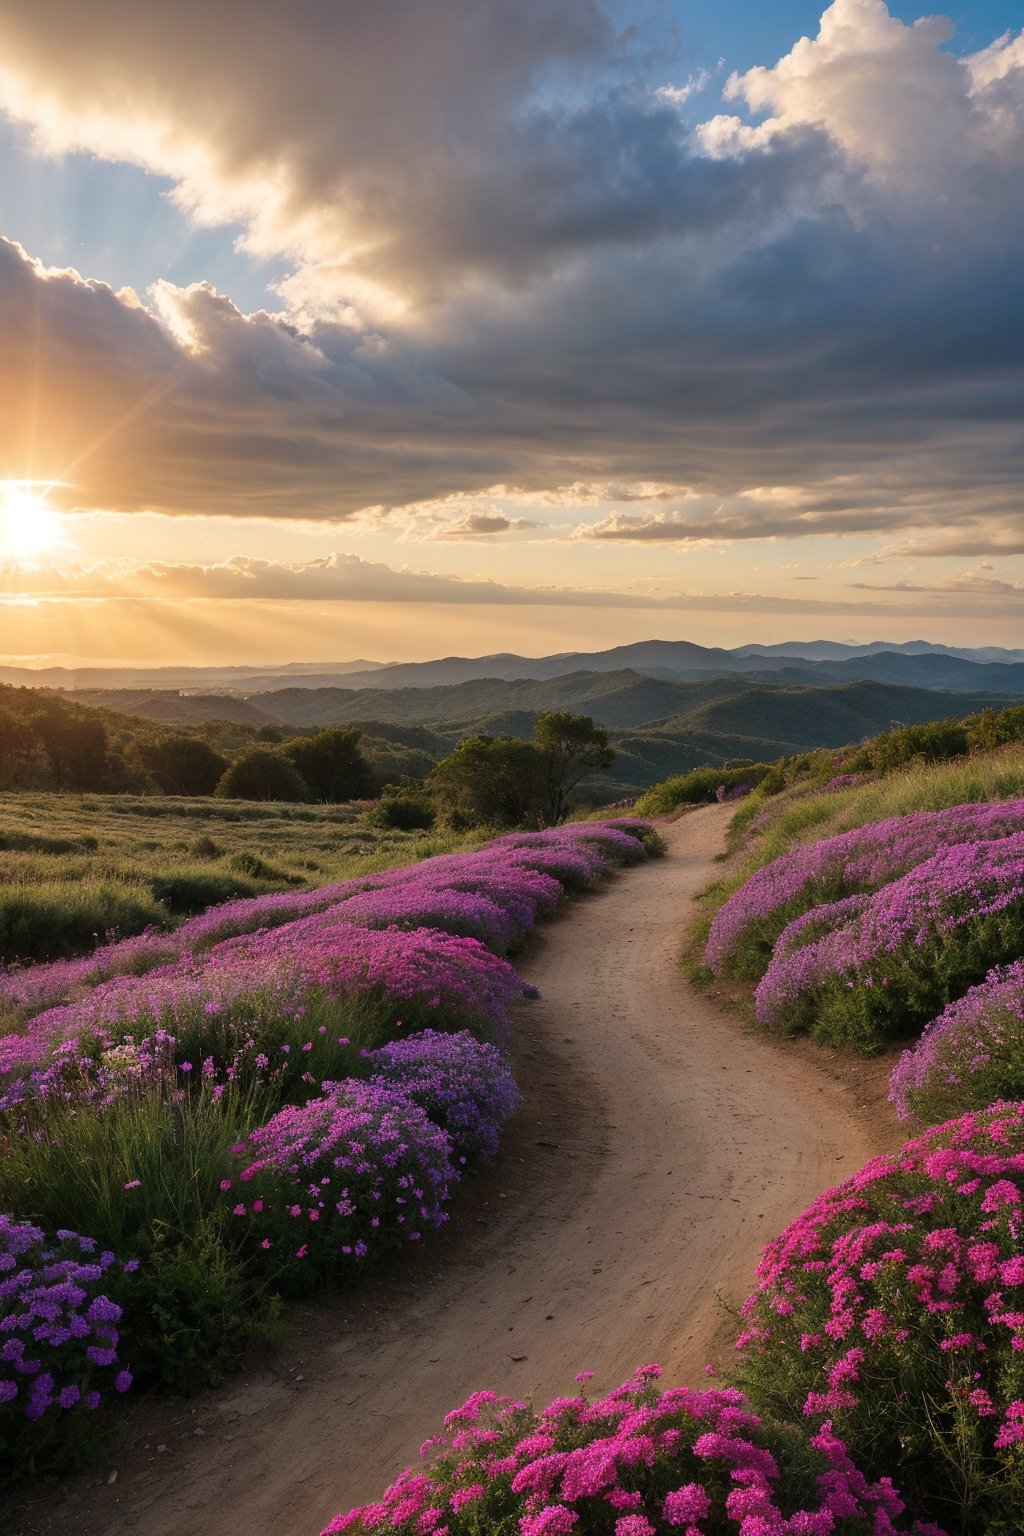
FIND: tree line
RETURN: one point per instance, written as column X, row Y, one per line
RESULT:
column 49, row 742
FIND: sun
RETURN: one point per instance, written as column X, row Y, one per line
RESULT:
column 28, row 527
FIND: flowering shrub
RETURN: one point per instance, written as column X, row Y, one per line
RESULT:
column 746, row 926
column 841, row 781
column 317, row 978
column 58, row 1345
column 885, row 968
column 464, row 1085
column 341, row 1182
column 970, row 1056
column 894, row 1307
column 633, row 1463
column 467, row 913
column 488, row 871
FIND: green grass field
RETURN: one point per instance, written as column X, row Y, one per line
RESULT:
column 73, row 867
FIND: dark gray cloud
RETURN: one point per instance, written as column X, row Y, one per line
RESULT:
column 593, row 289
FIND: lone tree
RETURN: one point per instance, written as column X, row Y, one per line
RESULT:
column 572, row 747
column 331, row 763
column 262, row 774
column 490, row 781
column 183, row 765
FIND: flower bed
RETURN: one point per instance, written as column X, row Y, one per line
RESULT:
column 884, row 969
column 634, row 1463
column 746, row 926
column 970, row 1056
column 341, row 1182
column 58, row 1346
column 894, row 1307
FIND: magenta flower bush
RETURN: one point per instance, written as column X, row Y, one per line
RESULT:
column 894, row 1308
column 329, row 1187
column 466, row 913
column 746, row 926
column 464, row 1085
column 306, row 985
column 970, row 1056
column 882, row 969
column 638, row 1462
column 58, row 1345
column 497, row 872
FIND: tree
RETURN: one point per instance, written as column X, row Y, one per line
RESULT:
column 572, row 748
column 262, row 774
column 331, row 763
column 183, row 765
column 76, row 744
column 490, row 781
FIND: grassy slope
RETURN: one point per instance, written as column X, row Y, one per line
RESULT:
column 91, row 862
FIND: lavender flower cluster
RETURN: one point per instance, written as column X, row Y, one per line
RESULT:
column 464, row 1085
column 860, row 861
column 878, row 969
column 970, row 1056
column 58, row 1331
column 343, row 1180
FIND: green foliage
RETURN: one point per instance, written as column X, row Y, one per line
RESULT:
column 697, row 787
column 495, row 781
column 331, row 764
column 143, row 1177
column 193, row 890
column 404, row 808
column 51, row 919
column 249, row 863
column 262, row 774
column 192, row 1307
column 183, row 765
column 573, row 748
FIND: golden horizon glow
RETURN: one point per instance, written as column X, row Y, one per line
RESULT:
column 28, row 527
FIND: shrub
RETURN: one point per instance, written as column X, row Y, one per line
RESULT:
column 698, row 787
column 892, row 1308
column 58, row 1347
column 402, row 810
column 748, row 923
column 249, row 863
column 464, row 1085
column 883, row 969
column 194, row 890
column 630, row 1464
column 49, row 919
column 340, row 1183
column 970, row 1056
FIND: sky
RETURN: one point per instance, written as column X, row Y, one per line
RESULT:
column 338, row 330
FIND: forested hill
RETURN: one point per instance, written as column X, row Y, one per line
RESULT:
column 657, row 726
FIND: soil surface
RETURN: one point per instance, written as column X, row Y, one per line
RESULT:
column 659, row 1146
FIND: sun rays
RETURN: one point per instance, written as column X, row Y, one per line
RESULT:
column 29, row 528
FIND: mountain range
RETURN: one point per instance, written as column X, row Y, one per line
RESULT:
column 914, row 663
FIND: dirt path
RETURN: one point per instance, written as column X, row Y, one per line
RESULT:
column 660, row 1147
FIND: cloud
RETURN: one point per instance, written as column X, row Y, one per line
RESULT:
column 517, row 266
column 480, row 525
column 977, row 581
column 339, row 580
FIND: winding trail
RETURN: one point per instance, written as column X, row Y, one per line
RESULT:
column 660, row 1146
